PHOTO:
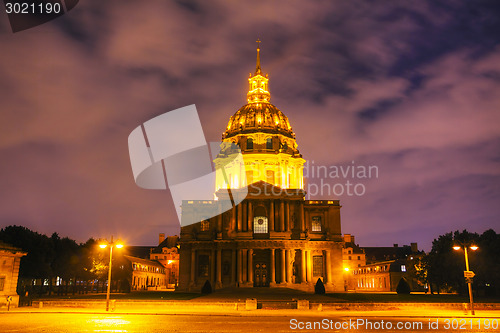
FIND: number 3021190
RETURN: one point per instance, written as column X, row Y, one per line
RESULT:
column 32, row 8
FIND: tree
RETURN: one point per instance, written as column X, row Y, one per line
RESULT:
column 207, row 288
column 445, row 266
column 319, row 288
column 403, row 287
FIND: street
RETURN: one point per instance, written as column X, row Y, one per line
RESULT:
column 249, row 322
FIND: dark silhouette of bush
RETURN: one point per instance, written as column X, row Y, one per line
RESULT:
column 207, row 288
column 403, row 287
column 319, row 288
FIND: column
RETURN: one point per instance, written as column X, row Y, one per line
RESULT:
column 289, row 270
column 273, row 275
column 309, row 266
column 283, row 272
column 240, row 259
column 233, row 219
column 244, row 222
column 287, row 216
column 219, row 267
column 244, row 264
column 212, row 267
column 250, row 266
column 250, row 216
column 282, row 215
column 301, row 217
column 233, row 266
column 271, row 216
column 328, row 267
column 193, row 261
column 303, row 270
column 239, row 216
column 219, row 218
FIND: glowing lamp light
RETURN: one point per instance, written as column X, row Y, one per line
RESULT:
column 170, row 261
column 103, row 246
column 119, row 246
column 474, row 247
column 456, row 248
column 346, row 269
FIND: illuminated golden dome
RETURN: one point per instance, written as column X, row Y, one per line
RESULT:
column 258, row 117
column 266, row 141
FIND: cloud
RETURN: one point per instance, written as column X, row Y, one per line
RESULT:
column 410, row 87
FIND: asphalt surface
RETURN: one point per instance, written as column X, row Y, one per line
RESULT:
column 244, row 322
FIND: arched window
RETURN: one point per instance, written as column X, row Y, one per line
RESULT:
column 249, row 143
column 269, row 143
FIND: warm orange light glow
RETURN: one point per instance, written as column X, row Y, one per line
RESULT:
column 474, row 247
column 119, row 246
column 456, row 247
column 170, row 261
column 103, row 246
column 346, row 269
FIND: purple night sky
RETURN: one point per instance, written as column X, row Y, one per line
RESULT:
column 412, row 87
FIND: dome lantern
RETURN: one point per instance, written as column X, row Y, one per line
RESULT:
column 258, row 91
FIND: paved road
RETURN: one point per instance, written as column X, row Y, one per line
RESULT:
column 82, row 322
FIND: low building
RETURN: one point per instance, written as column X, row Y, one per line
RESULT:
column 10, row 260
column 381, row 276
column 146, row 274
column 352, row 257
column 167, row 254
column 379, row 268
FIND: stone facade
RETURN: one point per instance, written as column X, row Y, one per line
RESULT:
column 274, row 237
column 10, row 259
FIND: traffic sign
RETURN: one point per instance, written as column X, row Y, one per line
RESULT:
column 469, row 274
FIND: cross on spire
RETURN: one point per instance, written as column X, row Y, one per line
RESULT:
column 257, row 68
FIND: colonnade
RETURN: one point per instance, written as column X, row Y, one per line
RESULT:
column 280, row 269
column 243, row 214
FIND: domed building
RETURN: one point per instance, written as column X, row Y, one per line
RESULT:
column 274, row 237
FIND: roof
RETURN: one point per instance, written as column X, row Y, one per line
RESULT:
column 386, row 253
column 169, row 242
column 138, row 251
column 9, row 248
column 259, row 117
column 145, row 262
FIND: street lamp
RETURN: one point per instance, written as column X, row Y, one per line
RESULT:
column 110, row 244
column 468, row 274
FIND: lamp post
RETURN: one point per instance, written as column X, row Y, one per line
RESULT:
column 468, row 274
column 110, row 244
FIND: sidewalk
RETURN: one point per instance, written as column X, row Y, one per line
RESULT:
column 238, row 309
column 277, row 302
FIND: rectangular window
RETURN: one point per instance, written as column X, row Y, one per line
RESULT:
column 318, row 266
column 203, row 263
column 350, row 258
column 270, row 176
column 249, row 175
column 260, row 225
column 205, row 225
column 403, row 268
column 316, row 224
column 2, row 283
column 359, row 257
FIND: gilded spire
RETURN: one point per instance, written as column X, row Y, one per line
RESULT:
column 257, row 68
column 258, row 83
